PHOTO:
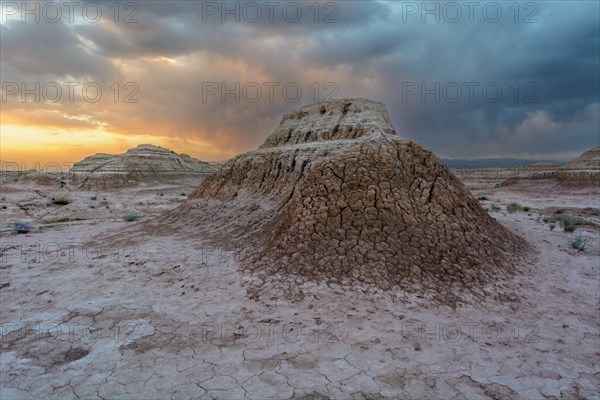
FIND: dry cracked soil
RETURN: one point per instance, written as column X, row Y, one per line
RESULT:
column 418, row 284
column 160, row 317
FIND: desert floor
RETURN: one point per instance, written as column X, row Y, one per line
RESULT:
column 165, row 317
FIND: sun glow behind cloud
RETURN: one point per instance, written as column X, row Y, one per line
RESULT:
column 33, row 148
column 370, row 52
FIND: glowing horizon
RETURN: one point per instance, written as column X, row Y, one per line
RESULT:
column 212, row 87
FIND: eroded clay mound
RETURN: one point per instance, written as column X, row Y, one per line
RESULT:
column 572, row 178
column 541, row 166
column 582, row 172
column 144, row 163
column 590, row 159
column 305, row 135
column 331, row 120
column 389, row 213
column 369, row 208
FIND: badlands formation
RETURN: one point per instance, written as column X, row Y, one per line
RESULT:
column 335, row 195
column 582, row 172
column 144, row 163
column 337, row 261
column 588, row 160
column 143, row 182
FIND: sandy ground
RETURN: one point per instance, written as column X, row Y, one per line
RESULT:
column 161, row 317
column 33, row 203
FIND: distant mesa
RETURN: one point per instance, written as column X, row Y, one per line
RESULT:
column 144, row 163
column 582, row 172
column 589, row 160
column 334, row 195
column 541, row 166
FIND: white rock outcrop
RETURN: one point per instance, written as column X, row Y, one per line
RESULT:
column 144, row 163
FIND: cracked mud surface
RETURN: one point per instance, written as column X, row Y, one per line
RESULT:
column 353, row 203
column 166, row 308
column 176, row 319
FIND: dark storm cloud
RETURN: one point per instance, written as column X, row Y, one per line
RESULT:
column 176, row 28
column 557, row 57
column 41, row 50
column 371, row 49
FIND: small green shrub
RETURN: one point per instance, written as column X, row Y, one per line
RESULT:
column 482, row 198
column 494, row 207
column 94, row 198
column 559, row 211
column 92, row 206
column 568, row 224
column 131, row 217
column 526, row 209
column 4, row 207
column 580, row 244
column 513, row 207
column 183, row 194
column 61, row 200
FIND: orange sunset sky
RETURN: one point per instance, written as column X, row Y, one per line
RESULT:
column 158, row 71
